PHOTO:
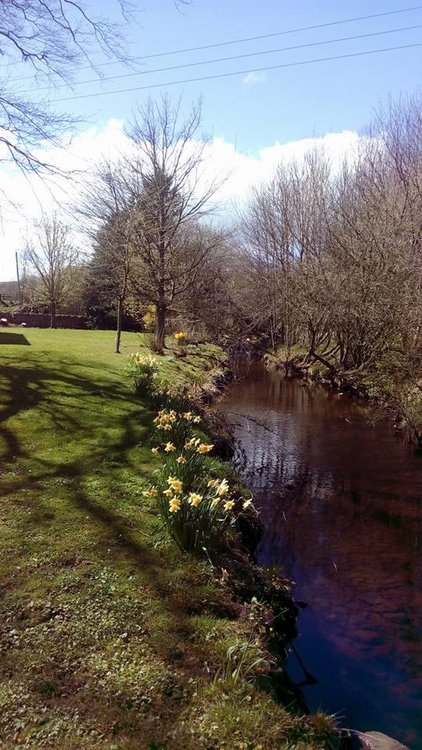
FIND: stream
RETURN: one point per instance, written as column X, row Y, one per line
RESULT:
column 340, row 498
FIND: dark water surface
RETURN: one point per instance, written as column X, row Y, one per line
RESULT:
column 341, row 502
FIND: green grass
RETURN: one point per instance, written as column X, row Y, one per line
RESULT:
column 108, row 639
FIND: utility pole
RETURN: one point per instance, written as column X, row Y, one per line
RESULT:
column 18, row 278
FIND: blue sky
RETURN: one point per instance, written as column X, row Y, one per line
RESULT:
column 277, row 105
column 247, row 114
column 281, row 105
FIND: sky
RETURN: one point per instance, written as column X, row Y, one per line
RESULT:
column 256, row 116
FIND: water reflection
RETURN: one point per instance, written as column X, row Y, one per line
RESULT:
column 341, row 501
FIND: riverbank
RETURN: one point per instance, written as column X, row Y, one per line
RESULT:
column 112, row 638
column 392, row 392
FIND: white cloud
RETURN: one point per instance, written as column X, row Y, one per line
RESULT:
column 31, row 195
column 254, row 79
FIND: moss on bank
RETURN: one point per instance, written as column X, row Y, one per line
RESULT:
column 109, row 638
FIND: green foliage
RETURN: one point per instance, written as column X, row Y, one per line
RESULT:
column 245, row 660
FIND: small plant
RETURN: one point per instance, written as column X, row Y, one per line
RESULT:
column 143, row 370
column 245, row 660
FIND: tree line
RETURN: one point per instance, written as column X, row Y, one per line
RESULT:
column 323, row 262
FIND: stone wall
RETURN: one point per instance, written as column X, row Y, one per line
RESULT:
column 36, row 320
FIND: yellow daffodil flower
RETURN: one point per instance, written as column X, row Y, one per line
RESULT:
column 222, row 488
column 169, row 447
column 152, row 492
column 181, row 460
column 174, row 505
column 195, row 499
column 204, row 448
column 175, row 484
column 228, row 505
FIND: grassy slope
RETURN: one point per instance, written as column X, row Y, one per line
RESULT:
column 107, row 640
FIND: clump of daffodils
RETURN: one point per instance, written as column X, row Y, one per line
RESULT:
column 180, row 337
column 194, row 517
column 176, row 427
column 143, row 370
column 144, row 359
column 195, row 508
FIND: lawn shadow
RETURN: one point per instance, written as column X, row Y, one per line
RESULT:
column 6, row 337
column 47, row 390
column 42, row 388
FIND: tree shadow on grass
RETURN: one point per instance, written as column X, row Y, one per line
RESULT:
column 49, row 390
column 115, row 432
column 7, row 337
column 40, row 388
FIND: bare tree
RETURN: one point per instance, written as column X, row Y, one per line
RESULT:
column 51, row 37
column 147, row 207
column 51, row 255
column 104, row 209
column 169, row 195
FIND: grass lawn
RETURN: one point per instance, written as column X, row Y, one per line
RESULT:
column 108, row 639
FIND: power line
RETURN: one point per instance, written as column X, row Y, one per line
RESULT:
column 249, row 38
column 236, row 57
column 236, row 73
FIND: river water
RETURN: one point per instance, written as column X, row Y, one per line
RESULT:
column 340, row 497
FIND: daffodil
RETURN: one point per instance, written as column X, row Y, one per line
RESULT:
column 247, row 503
column 196, row 420
column 215, row 501
column 222, row 488
column 195, row 499
column 228, row 505
column 175, row 484
column 213, row 483
column 192, row 443
column 151, row 492
column 181, row 460
column 188, row 416
column 169, row 447
column 174, row 505
column 204, row 448
column 168, row 492
column 155, row 450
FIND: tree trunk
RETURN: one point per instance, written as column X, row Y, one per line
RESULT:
column 53, row 314
column 160, row 326
column 119, row 325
